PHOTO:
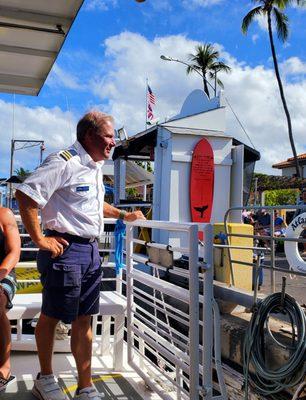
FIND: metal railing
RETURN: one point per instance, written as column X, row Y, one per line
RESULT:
column 269, row 250
column 173, row 331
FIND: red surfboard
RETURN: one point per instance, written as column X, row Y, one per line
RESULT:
column 202, row 182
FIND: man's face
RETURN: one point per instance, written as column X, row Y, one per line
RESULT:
column 100, row 145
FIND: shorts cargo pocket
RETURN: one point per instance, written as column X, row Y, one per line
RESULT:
column 63, row 275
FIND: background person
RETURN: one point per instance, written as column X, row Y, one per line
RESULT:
column 68, row 188
column 9, row 256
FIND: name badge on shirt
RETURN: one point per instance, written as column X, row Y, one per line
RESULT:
column 82, row 188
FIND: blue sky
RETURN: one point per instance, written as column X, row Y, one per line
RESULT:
column 115, row 44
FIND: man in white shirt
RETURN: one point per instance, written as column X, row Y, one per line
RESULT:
column 68, row 188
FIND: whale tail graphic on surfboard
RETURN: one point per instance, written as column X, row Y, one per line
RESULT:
column 201, row 210
column 202, row 182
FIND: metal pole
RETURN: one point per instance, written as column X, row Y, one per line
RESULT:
column 147, row 83
column 11, row 172
column 129, row 288
column 215, row 83
column 255, row 191
column 194, row 313
column 208, row 314
column 42, row 148
column 272, row 246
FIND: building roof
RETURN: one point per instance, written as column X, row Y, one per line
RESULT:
column 32, row 34
column 290, row 162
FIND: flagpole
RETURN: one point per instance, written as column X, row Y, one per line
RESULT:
column 147, row 83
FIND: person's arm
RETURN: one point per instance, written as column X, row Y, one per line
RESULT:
column 29, row 214
column 11, row 241
column 113, row 212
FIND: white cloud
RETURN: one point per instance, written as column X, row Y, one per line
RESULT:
column 262, row 22
column 253, row 92
column 102, row 5
column 52, row 125
column 293, row 66
column 61, row 78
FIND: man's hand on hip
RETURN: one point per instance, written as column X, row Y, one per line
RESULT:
column 132, row 216
column 55, row 244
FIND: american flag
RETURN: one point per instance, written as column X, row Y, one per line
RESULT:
column 150, row 112
column 150, row 96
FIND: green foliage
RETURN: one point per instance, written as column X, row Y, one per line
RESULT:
column 22, row 172
column 281, row 196
column 132, row 193
column 206, row 61
column 142, row 164
column 273, row 182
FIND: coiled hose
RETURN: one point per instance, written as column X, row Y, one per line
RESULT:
column 264, row 380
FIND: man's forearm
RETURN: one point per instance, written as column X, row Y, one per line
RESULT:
column 29, row 214
column 110, row 211
column 113, row 212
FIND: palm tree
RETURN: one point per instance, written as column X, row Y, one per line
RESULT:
column 206, row 62
column 274, row 9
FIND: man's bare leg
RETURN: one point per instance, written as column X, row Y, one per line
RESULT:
column 81, row 347
column 5, row 339
column 44, row 334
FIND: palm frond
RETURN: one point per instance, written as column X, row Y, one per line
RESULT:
column 282, row 4
column 248, row 19
column 220, row 83
column 281, row 21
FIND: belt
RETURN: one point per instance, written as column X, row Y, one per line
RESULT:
column 69, row 237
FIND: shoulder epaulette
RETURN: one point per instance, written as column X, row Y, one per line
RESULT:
column 68, row 154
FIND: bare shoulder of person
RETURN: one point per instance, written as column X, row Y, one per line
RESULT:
column 7, row 219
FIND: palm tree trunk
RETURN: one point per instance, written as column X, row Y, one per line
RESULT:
column 281, row 91
column 205, row 85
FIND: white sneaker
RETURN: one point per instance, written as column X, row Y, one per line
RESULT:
column 4, row 383
column 47, row 388
column 89, row 393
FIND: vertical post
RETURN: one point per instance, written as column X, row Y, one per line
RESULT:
column 129, row 289
column 42, row 148
column 119, row 183
column 193, row 313
column 144, row 197
column 208, row 313
column 215, row 83
column 255, row 191
column 147, row 83
column 272, row 245
column 11, row 173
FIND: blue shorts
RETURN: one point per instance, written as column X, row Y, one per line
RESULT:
column 71, row 282
column 9, row 285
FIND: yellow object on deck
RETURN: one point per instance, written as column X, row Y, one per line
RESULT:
column 28, row 274
column 242, row 273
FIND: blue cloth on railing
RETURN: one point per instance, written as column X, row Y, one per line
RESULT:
column 119, row 234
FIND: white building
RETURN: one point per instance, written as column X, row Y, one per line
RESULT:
column 288, row 166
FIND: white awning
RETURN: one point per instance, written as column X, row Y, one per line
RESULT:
column 32, row 33
column 135, row 175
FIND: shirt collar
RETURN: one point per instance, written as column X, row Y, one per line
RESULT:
column 84, row 156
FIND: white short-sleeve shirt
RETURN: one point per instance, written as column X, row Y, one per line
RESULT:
column 68, row 187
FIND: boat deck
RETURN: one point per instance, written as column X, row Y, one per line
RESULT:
column 123, row 385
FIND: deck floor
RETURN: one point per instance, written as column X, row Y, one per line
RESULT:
column 123, row 385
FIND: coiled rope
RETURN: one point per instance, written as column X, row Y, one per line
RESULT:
column 264, row 380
